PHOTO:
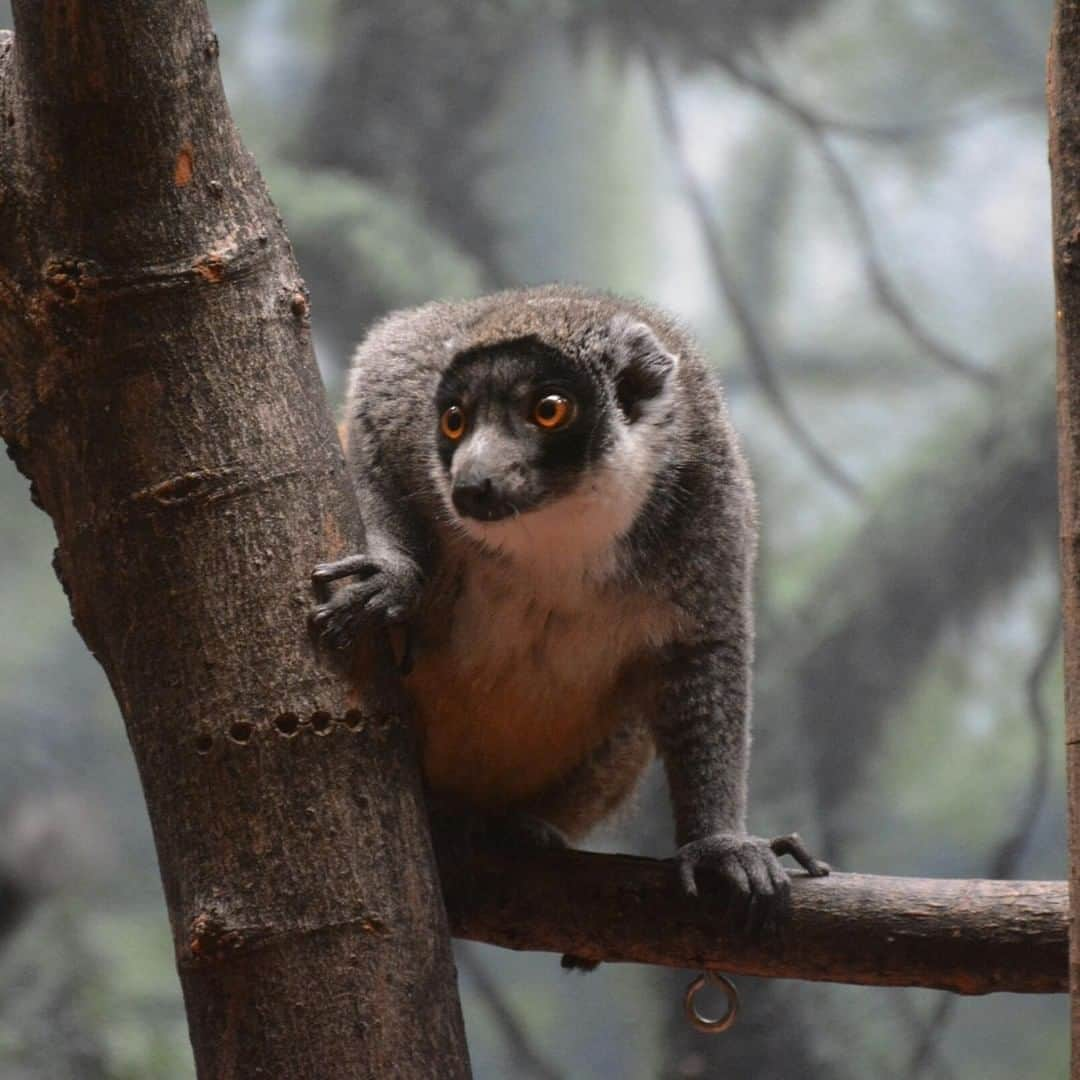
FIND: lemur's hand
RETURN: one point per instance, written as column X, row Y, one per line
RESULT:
column 757, row 886
column 387, row 592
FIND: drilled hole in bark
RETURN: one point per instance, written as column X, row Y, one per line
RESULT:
column 241, row 731
column 321, row 723
column 204, row 743
column 353, row 719
column 287, row 724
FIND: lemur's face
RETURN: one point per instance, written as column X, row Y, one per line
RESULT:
column 518, row 428
column 543, row 457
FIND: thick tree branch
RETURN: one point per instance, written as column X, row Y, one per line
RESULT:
column 970, row 937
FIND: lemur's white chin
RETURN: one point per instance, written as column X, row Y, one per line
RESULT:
column 575, row 534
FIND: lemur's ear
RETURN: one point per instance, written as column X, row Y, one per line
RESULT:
column 642, row 365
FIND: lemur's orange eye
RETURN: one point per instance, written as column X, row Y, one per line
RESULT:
column 553, row 411
column 452, row 424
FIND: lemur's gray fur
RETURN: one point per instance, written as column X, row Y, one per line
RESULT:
column 575, row 598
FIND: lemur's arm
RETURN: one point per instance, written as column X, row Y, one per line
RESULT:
column 389, row 573
column 701, row 722
column 701, row 732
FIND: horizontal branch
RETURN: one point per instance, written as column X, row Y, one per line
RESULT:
column 970, row 937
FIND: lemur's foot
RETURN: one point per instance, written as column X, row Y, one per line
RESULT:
column 387, row 592
column 757, row 886
column 516, row 831
column 457, row 835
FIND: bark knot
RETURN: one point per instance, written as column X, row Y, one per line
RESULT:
column 211, row 939
column 211, row 268
column 65, row 276
column 298, row 305
column 185, row 166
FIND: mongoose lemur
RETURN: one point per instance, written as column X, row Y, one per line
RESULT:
column 557, row 507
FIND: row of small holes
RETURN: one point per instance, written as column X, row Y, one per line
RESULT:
column 288, row 725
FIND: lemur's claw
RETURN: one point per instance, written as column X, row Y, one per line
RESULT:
column 339, row 568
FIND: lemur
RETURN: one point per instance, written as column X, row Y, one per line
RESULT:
column 557, row 507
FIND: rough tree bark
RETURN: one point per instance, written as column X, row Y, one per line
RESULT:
column 157, row 385
column 1063, row 97
column 970, row 937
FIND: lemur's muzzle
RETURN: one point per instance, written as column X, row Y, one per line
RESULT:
column 480, row 498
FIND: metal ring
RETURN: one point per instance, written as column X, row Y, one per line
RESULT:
column 704, row 1023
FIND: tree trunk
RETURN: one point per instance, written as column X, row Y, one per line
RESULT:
column 157, row 386
column 1063, row 93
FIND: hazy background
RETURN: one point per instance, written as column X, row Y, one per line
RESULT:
column 847, row 200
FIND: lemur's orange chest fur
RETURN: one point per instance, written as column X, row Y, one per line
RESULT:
column 515, row 675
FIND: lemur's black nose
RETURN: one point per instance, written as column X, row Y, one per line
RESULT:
column 479, row 498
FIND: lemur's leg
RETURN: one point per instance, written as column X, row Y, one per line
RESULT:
column 598, row 784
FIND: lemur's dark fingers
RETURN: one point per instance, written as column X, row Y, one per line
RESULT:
column 686, row 877
column 340, row 619
column 347, row 567
column 792, row 845
column 781, row 888
column 737, row 879
column 761, row 905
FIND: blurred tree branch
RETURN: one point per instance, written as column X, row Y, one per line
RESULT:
column 954, row 528
column 881, row 285
column 14, row 903
column 758, row 357
column 891, row 131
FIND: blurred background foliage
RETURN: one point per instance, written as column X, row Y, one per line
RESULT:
column 847, row 200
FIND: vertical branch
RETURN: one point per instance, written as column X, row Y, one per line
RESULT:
column 1063, row 95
